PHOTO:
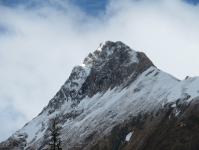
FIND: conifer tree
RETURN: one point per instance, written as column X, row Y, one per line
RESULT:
column 55, row 139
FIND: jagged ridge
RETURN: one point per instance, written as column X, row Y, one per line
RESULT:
column 105, row 68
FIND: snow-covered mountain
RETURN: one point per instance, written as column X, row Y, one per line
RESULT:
column 117, row 100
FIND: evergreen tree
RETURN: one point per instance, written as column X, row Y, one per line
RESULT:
column 55, row 139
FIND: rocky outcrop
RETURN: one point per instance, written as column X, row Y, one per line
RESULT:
column 115, row 64
column 117, row 100
column 15, row 143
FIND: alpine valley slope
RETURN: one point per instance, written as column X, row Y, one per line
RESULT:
column 117, row 100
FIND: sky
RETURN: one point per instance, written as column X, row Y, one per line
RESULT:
column 41, row 42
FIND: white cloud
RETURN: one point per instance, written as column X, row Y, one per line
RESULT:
column 41, row 46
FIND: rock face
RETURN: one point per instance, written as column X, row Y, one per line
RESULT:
column 117, row 100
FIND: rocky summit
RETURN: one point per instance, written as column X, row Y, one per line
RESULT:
column 117, row 100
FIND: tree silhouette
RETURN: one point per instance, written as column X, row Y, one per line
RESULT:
column 55, row 139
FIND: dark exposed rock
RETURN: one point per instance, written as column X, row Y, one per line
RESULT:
column 14, row 143
column 90, row 137
column 156, row 73
column 149, row 73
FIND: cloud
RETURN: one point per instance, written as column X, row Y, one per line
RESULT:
column 40, row 45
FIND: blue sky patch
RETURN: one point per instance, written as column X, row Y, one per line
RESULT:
column 90, row 7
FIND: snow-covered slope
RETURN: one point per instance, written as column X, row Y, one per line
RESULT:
column 113, row 86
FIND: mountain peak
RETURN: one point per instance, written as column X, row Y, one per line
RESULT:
column 111, row 101
column 107, row 50
column 113, row 64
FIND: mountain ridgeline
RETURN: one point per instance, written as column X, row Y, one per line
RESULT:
column 117, row 100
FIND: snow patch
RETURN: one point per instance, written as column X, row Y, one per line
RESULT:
column 128, row 137
column 189, row 86
column 101, row 45
column 174, row 105
column 134, row 58
column 87, row 69
column 31, row 129
column 177, row 112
